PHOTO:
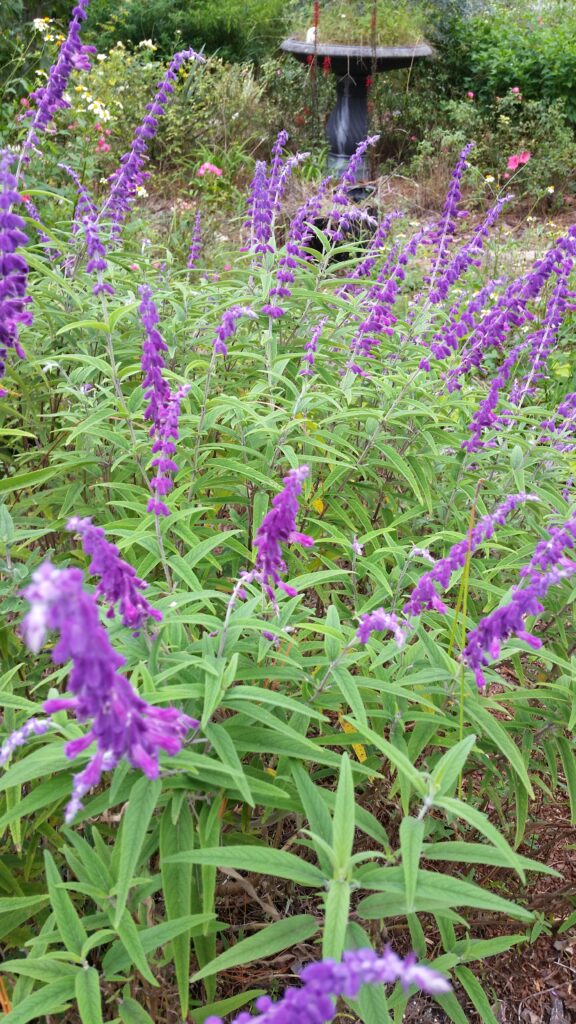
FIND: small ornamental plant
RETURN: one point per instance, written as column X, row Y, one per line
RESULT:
column 287, row 559
column 348, row 22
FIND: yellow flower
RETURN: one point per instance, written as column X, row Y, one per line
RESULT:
column 551, row 189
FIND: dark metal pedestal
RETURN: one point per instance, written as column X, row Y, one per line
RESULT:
column 348, row 123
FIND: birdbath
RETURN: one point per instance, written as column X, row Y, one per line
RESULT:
column 353, row 65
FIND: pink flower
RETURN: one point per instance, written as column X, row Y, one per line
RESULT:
column 506, row 176
column 207, row 168
column 469, row 95
column 24, row 102
column 517, row 159
column 516, row 90
column 102, row 146
column 133, row 266
column 227, row 266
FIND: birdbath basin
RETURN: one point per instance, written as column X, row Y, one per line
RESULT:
column 353, row 65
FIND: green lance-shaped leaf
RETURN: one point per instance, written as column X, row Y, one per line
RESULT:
column 344, row 818
column 88, row 999
column 264, row 860
column 143, row 799
column 177, row 889
column 70, row 927
column 411, row 839
column 52, row 998
column 277, row 936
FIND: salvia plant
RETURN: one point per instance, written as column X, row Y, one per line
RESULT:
column 287, row 569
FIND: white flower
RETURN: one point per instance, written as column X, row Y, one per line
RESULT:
column 551, row 189
column 147, row 44
column 101, row 56
column 489, row 179
column 141, row 192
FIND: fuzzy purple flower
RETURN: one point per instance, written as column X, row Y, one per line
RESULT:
column 280, row 170
column 258, row 224
column 559, row 431
column 446, row 227
column 31, row 210
column 381, row 621
column 33, row 727
column 300, row 233
column 167, row 433
column 86, row 218
column 196, row 243
column 125, row 181
column 461, row 321
column 486, row 417
column 544, row 340
column 510, row 312
column 279, row 527
column 310, row 349
column 343, row 212
column 468, row 255
column 381, row 297
column 123, row 725
column 119, row 585
column 228, row 325
column 163, row 408
column 73, row 55
column 380, row 237
column 155, row 387
column 425, row 596
column 325, row 982
column 548, row 567
column 13, row 267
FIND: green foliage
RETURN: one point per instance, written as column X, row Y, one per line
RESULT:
column 376, row 24
column 234, row 29
column 529, row 46
column 342, row 786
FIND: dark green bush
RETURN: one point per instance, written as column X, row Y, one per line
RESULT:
column 505, row 47
column 235, row 29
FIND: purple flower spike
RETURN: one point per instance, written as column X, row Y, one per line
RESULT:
column 343, row 212
column 279, row 527
column 300, row 234
column 196, row 243
column 468, row 255
column 20, row 736
column 560, row 430
column 164, row 447
column 119, row 584
column 131, row 174
column 228, row 326
column 547, row 567
column 73, row 55
column 13, row 267
column 328, row 980
column 123, row 725
column 163, row 409
column 258, row 224
column 310, row 348
column 378, row 621
column 424, row 596
column 509, row 313
column 446, row 227
column 380, row 318
column 486, row 417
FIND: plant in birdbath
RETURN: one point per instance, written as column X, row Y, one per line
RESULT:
column 361, row 24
